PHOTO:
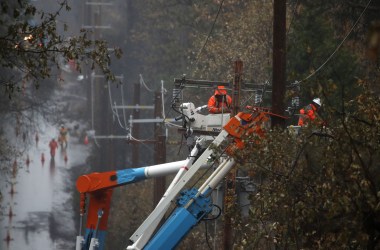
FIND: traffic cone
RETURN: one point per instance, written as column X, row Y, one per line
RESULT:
column 27, row 160
column 8, row 238
column 43, row 158
column 10, row 214
column 86, row 140
column 12, row 192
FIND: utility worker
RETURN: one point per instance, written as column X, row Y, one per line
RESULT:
column 309, row 112
column 220, row 102
column 63, row 135
column 53, row 147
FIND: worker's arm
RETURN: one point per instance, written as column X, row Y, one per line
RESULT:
column 212, row 105
column 229, row 101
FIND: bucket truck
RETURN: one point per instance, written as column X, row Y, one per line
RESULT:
column 192, row 205
column 98, row 188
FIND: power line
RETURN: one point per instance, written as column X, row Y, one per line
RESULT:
column 292, row 18
column 142, row 82
column 209, row 34
column 338, row 47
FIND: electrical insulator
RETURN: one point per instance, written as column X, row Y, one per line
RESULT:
column 295, row 101
column 257, row 98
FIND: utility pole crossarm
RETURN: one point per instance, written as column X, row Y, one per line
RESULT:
column 200, row 83
column 133, row 106
column 191, row 83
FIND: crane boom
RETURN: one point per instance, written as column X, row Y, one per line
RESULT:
column 192, row 205
column 98, row 187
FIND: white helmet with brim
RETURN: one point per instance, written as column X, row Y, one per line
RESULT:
column 317, row 101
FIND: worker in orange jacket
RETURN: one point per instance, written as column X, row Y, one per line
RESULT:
column 53, row 147
column 220, row 102
column 309, row 112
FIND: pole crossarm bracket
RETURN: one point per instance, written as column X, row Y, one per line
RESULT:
column 192, row 83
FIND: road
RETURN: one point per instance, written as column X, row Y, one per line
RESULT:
column 38, row 198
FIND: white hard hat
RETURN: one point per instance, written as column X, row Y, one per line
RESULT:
column 317, row 101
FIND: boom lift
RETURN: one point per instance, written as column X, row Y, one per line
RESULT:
column 98, row 187
column 192, row 205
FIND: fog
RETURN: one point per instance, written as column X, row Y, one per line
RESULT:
column 39, row 208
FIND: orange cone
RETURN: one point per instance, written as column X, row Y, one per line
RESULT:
column 10, row 214
column 27, row 160
column 86, row 140
column 42, row 158
column 8, row 238
column 65, row 158
column 37, row 138
column 12, row 192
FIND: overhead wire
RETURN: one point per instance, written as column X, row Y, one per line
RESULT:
column 196, row 61
column 122, row 103
column 204, row 45
column 163, row 91
column 114, row 110
column 163, row 113
column 209, row 34
column 92, row 107
column 164, row 116
column 338, row 47
column 292, row 18
column 142, row 82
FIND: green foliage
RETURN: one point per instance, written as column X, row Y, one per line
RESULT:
column 320, row 189
column 312, row 49
column 31, row 47
column 315, row 191
column 160, row 34
column 31, row 52
column 246, row 36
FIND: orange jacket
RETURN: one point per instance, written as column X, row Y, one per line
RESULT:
column 308, row 113
column 53, row 145
column 216, row 107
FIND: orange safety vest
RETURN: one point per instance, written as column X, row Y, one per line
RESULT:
column 53, row 145
column 214, row 105
column 308, row 113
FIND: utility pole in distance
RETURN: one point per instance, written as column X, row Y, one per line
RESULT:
column 159, row 149
column 230, row 182
column 238, row 68
column 136, row 128
column 279, row 61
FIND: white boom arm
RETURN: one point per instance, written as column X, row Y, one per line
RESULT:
column 150, row 224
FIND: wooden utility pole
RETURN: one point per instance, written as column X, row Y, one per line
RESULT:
column 98, row 94
column 87, row 10
column 279, row 61
column 160, row 150
column 230, row 184
column 237, row 86
column 99, row 98
column 136, row 127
